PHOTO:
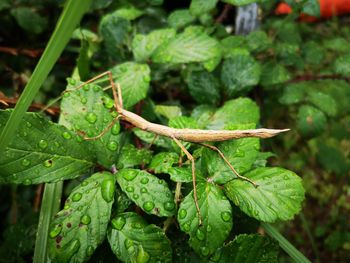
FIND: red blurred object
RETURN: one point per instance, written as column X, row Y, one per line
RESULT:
column 328, row 9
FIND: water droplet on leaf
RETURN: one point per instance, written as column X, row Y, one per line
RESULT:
column 42, row 144
column 113, row 146
column 76, row 197
column 85, row 219
column 143, row 190
column 129, row 189
column 182, row 213
column 27, row 182
column 48, row 163
column 205, row 251
column 130, row 175
column 118, row 223
column 144, row 180
column 66, row 135
column 25, row 162
column 91, row 117
column 169, row 206
column 226, row 216
column 90, row 250
column 135, row 196
column 148, row 206
column 83, row 100
column 107, row 190
column 186, row 227
column 55, row 231
column 200, row 234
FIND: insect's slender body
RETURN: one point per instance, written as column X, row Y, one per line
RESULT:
column 195, row 135
column 189, row 135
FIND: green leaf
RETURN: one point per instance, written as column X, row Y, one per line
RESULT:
column 273, row 74
column 128, row 12
column 153, row 138
column 241, row 154
column 278, row 196
column 133, row 240
column 167, row 111
column 180, row 18
column 143, row 46
column 114, row 30
column 151, row 194
column 294, row 93
column 29, row 20
column 323, row 101
column 240, row 72
column 81, row 226
column 182, row 122
column 204, row 87
column 252, row 248
column 239, row 2
column 338, row 44
column 134, row 81
column 42, row 151
column 232, row 43
column 288, row 54
column 311, row 121
column 342, row 65
column 216, row 215
column 238, row 111
column 198, row 7
column 131, row 156
column 258, row 41
column 183, row 174
column 313, row 53
column 162, row 162
column 202, row 114
column 89, row 111
column 192, row 45
column 312, row 8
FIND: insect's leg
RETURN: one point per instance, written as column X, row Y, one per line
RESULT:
column 212, row 147
column 104, row 130
column 190, row 157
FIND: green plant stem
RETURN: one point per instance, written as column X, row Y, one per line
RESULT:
column 50, row 205
column 294, row 253
column 71, row 15
column 309, row 234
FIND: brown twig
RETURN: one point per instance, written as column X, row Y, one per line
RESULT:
column 317, row 77
column 224, row 14
column 33, row 53
column 9, row 102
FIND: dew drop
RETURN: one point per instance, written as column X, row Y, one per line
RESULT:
column 135, row 196
column 48, row 163
column 130, row 175
column 85, row 183
column 90, row 250
column 148, row 206
column 115, row 129
column 66, row 135
column 25, row 162
column 129, row 189
column 239, row 153
column 200, row 234
column 72, row 82
column 182, row 213
column 85, row 219
column 66, row 207
column 112, row 146
column 107, row 102
column 66, row 94
column 86, row 87
column 27, row 182
column 209, row 228
column 160, row 181
column 143, row 190
column 114, row 114
column 118, row 223
column 91, row 117
column 144, row 180
column 96, row 88
column 205, row 251
column 72, row 248
column 226, row 216
column 28, row 124
column 83, row 100
column 55, row 231
column 169, row 206
column 76, row 197
column 186, row 227
column 42, row 144
column 107, row 190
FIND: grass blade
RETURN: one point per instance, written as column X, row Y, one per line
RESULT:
column 294, row 253
column 70, row 17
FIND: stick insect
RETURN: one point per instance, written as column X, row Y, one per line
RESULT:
column 177, row 135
